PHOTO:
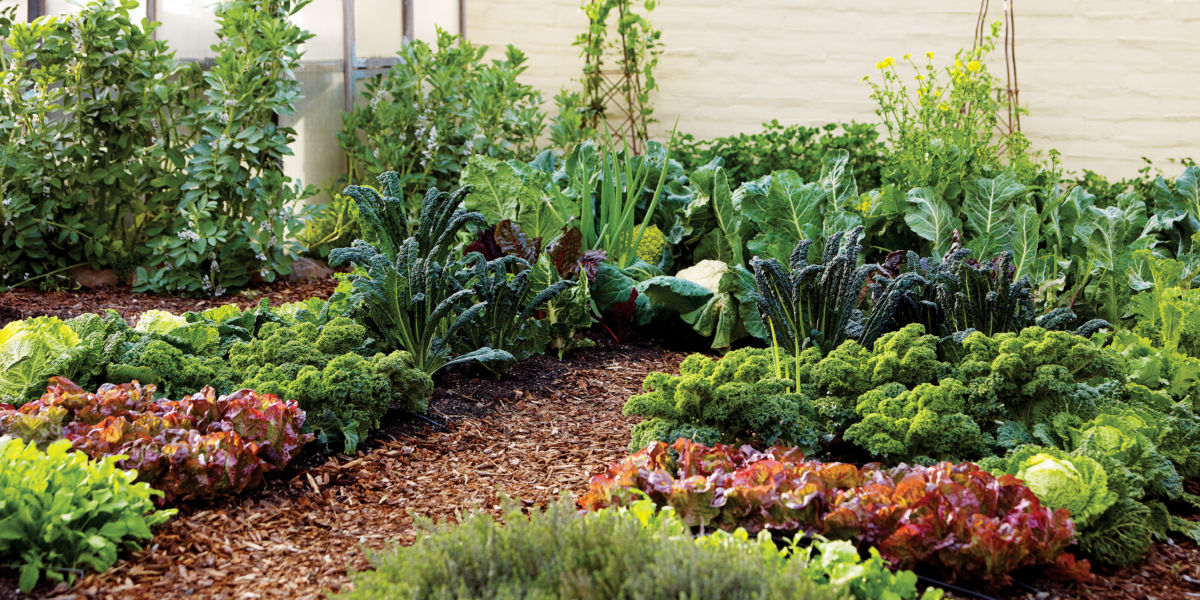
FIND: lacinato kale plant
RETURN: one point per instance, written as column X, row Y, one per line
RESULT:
column 403, row 286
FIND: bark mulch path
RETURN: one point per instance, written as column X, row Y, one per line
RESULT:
column 542, row 431
column 21, row 303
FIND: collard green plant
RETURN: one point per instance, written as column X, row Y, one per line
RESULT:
column 404, row 287
column 437, row 107
column 63, row 512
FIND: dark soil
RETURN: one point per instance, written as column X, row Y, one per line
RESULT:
column 22, row 303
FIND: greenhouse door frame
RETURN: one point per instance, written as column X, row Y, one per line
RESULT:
column 355, row 68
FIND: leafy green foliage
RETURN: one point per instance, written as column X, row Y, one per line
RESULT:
column 201, row 446
column 62, row 511
column 237, row 207
column 730, row 314
column 632, row 41
column 946, row 131
column 928, row 420
column 91, row 107
column 404, row 287
column 33, row 350
column 117, row 156
column 750, row 156
column 633, row 551
column 331, row 373
column 812, row 304
column 995, row 525
column 508, row 321
column 434, row 109
column 740, row 398
column 1072, row 481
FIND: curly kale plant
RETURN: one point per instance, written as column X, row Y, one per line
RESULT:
column 737, row 399
column 404, row 287
column 344, row 389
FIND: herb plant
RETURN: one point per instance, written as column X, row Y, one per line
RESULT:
column 636, row 551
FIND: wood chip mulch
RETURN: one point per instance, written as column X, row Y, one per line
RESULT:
column 22, row 303
column 540, row 432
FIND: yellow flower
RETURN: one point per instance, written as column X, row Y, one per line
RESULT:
column 929, row 55
column 907, row 56
column 974, row 66
column 865, row 205
column 920, row 78
column 942, row 106
column 957, row 64
column 885, row 63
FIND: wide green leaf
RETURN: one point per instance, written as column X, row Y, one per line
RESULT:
column 837, row 180
column 673, row 293
column 728, row 220
column 502, row 189
column 987, row 209
column 931, row 218
column 1024, row 239
column 789, row 211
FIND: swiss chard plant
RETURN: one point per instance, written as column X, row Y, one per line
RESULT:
column 403, row 286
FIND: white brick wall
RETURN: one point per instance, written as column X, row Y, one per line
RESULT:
column 1106, row 81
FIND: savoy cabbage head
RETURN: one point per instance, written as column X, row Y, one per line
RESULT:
column 1061, row 480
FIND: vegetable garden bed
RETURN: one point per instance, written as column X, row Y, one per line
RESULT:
column 540, row 432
